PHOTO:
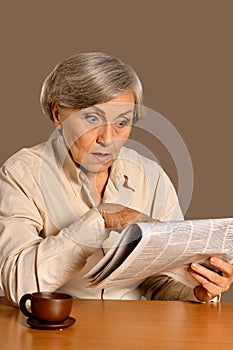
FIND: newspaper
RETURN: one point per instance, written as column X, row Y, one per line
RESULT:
column 145, row 249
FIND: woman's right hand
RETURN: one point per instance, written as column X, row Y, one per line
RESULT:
column 117, row 216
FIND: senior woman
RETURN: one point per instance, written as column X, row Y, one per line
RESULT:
column 59, row 199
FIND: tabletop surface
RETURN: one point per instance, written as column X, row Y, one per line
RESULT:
column 114, row 324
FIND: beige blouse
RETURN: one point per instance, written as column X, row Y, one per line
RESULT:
column 51, row 232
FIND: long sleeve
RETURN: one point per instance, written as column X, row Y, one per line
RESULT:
column 29, row 262
column 41, row 264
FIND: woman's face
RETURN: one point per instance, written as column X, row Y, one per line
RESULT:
column 95, row 134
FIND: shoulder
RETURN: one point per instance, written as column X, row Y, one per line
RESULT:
column 25, row 160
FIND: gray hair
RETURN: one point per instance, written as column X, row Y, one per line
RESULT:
column 85, row 79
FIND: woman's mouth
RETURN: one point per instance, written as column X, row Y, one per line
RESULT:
column 101, row 157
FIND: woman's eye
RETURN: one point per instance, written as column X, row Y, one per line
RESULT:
column 91, row 118
column 122, row 123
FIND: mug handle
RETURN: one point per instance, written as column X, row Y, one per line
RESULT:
column 22, row 305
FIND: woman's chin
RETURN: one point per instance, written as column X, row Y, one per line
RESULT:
column 96, row 168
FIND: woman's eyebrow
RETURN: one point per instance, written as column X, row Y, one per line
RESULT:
column 124, row 113
column 103, row 113
column 97, row 109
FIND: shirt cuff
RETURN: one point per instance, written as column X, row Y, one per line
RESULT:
column 215, row 299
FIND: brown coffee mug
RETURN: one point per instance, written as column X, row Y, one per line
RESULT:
column 47, row 307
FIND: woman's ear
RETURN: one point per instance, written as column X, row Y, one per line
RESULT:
column 56, row 114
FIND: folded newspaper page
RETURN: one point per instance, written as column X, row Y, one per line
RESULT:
column 145, row 249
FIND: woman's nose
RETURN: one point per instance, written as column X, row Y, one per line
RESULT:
column 105, row 134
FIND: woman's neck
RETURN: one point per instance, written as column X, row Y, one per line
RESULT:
column 98, row 183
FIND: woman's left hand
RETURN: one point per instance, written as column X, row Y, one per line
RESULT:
column 211, row 283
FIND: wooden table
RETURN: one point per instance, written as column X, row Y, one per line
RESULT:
column 125, row 325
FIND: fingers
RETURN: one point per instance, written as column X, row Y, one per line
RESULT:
column 206, row 289
column 226, row 268
column 118, row 216
column 211, row 283
column 204, row 273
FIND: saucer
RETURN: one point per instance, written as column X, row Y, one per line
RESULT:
column 39, row 325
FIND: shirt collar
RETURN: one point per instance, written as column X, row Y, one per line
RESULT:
column 120, row 174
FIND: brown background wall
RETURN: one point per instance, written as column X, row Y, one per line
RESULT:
column 181, row 49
